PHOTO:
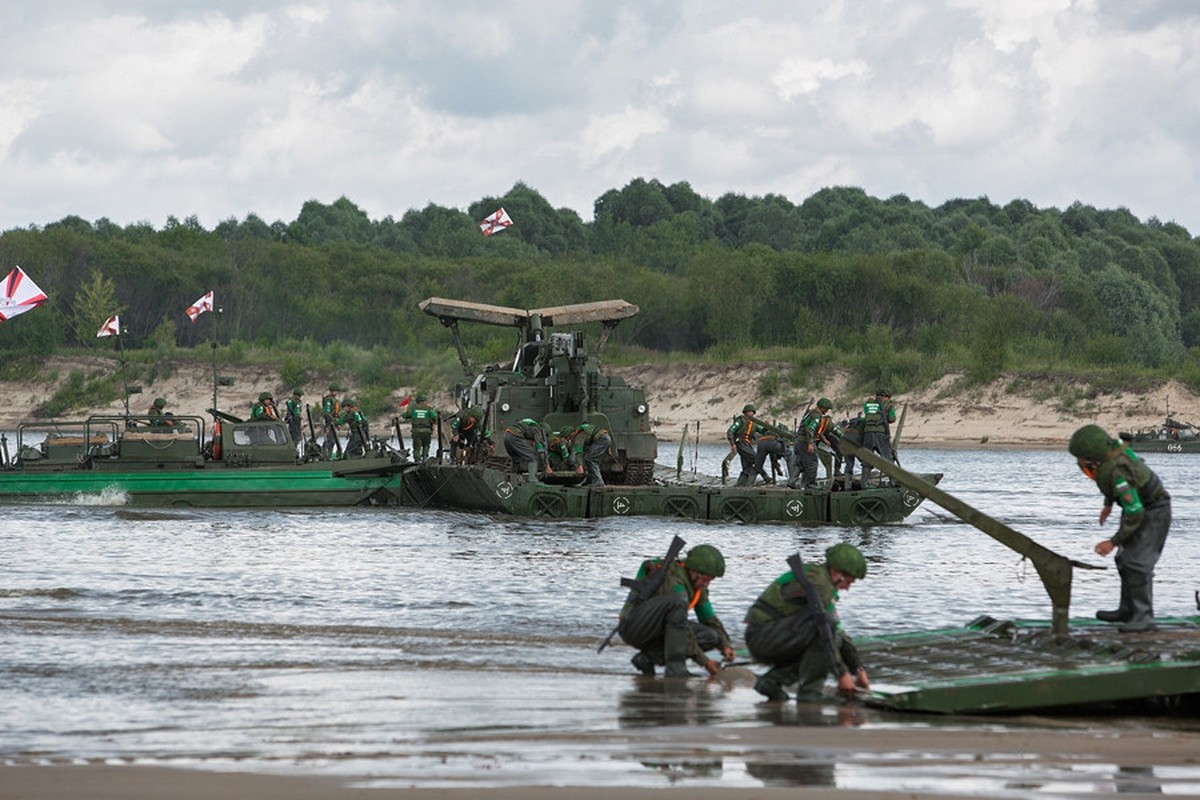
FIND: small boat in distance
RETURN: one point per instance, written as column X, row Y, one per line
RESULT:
column 1171, row 436
column 146, row 461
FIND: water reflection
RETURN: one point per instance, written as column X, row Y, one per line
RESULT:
column 793, row 773
column 657, row 702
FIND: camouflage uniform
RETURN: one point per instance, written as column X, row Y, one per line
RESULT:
column 590, row 443
column 1124, row 479
column 743, row 436
column 877, row 416
column 659, row 626
column 781, row 630
column 423, row 419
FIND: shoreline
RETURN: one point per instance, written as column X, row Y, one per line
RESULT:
column 948, row 414
column 826, row 757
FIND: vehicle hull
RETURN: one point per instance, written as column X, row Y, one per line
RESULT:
column 489, row 490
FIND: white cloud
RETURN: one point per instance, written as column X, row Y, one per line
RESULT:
column 140, row 110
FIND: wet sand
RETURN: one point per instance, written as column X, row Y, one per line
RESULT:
column 821, row 761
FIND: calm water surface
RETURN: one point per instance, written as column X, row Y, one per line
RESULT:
column 404, row 643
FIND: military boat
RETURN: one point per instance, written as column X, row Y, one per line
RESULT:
column 1171, row 436
column 1004, row 666
column 145, row 461
column 554, row 380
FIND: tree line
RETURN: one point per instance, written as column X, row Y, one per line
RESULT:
column 891, row 286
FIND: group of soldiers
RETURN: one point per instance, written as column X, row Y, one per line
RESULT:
column 793, row 626
column 801, row 641
column 816, row 436
column 532, row 448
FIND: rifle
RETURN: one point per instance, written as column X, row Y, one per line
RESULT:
column 647, row 587
column 331, row 428
column 813, row 599
column 312, row 433
column 399, row 437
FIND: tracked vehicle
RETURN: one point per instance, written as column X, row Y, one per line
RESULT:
column 555, row 380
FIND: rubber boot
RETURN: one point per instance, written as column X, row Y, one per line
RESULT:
column 770, row 685
column 1141, row 606
column 532, row 473
column 1122, row 613
column 675, row 639
column 643, row 663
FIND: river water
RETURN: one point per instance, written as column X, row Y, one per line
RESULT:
column 431, row 648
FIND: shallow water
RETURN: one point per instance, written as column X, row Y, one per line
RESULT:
column 430, row 648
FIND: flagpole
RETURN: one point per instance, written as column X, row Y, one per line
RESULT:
column 124, row 376
column 216, row 311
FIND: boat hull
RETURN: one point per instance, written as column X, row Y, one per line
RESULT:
column 318, row 484
column 489, row 490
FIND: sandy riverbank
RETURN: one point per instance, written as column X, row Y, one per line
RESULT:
column 946, row 414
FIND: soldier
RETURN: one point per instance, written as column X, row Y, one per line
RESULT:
column 356, row 423
column 814, row 430
column 331, row 409
column 770, row 444
column 1124, row 478
column 423, row 419
column 781, row 629
column 264, row 410
column 467, row 433
column 658, row 626
column 159, row 416
column 743, row 436
column 877, row 416
column 525, row 443
column 293, row 410
column 590, row 443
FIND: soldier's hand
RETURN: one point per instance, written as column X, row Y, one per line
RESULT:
column 845, row 683
column 1104, row 548
column 1104, row 512
column 579, row 469
column 712, row 666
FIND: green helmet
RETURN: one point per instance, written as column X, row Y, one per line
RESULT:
column 420, row 398
column 746, row 409
column 824, row 404
column 297, row 393
column 1090, row 442
column 264, row 396
column 847, row 558
column 706, row 559
column 883, row 393
column 160, row 403
column 333, row 387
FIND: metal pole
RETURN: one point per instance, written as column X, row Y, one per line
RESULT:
column 214, row 355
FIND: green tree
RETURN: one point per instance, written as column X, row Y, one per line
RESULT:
column 95, row 301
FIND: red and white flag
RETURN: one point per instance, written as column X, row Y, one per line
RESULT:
column 496, row 222
column 205, row 303
column 20, row 294
column 111, row 327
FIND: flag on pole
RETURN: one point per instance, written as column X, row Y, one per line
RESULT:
column 111, row 327
column 205, row 303
column 496, row 222
column 20, row 294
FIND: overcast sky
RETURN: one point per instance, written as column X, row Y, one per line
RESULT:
column 145, row 109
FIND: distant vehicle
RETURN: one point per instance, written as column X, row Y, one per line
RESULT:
column 1171, row 436
column 146, row 462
